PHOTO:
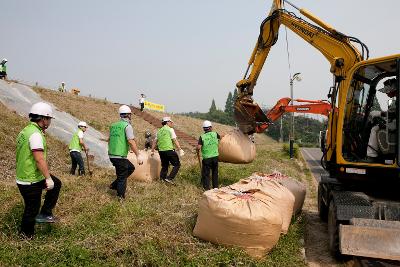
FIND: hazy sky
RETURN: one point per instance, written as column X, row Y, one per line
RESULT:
column 179, row 53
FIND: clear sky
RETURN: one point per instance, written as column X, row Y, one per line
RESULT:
column 179, row 53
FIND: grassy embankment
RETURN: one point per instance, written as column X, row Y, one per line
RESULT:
column 152, row 227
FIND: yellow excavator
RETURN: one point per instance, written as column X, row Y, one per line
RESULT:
column 360, row 197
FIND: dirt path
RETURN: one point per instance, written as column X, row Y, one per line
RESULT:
column 316, row 232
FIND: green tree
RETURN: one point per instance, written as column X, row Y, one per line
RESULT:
column 229, row 104
column 235, row 95
column 213, row 107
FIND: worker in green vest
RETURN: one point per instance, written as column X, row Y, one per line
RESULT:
column 3, row 69
column 120, row 139
column 208, row 146
column 32, row 174
column 61, row 88
column 75, row 147
column 165, row 140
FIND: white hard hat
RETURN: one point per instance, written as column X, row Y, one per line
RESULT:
column 62, row 82
column 82, row 124
column 42, row 109
column 124, row 109
column 166, row 119
column 207, row 124
column 5, row 60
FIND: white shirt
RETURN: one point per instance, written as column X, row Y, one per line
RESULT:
column 141, row 100
column 36, row 141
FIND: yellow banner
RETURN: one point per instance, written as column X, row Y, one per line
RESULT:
column 154, row 106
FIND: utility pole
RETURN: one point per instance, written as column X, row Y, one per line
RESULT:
column 296, row 77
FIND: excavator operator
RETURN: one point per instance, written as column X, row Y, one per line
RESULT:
column 380, row 145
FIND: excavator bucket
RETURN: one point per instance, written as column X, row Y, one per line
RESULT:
column 371, row 238
column 248, row 115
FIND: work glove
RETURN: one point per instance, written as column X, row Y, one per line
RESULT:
column 140, row 159
column 49, row 183
column 181, row 153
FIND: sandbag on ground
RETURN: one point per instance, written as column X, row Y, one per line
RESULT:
column 246, row 219
column 297, row 188
column 149, row 170
column 281, row 196
column 236, row 147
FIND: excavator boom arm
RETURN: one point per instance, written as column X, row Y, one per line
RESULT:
column 282, row 106
column 336, row 47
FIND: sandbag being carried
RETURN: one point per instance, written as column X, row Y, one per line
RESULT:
column 246, row 219
column 297, row 188
column 236, row 147
column 149, row 170
column 281, row 196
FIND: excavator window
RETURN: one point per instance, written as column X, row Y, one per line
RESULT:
column 370, row 117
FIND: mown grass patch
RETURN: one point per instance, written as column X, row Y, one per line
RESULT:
column 153, row 227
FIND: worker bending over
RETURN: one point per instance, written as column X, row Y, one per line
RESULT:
column 75, row 147
column 208, row 145
column 33, row 174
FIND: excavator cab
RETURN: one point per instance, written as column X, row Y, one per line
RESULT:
column 370, row 125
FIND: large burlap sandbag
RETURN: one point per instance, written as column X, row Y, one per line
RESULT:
column 281, row 196
column 248, row 220
column 149, row 170
column 236, row 147
column 297, row 188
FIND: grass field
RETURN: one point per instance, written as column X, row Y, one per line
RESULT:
column 153, row 227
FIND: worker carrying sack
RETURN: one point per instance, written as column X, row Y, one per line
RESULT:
column 297, row 188
column 236, row 147
column 280, row 195
column 150, row 169
column 246, row 219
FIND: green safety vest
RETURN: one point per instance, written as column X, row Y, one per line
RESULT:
column 209, row 149
column 27, row 170
column 118, row 145
column 3, row 67
column 75, row 142
column 164, row 140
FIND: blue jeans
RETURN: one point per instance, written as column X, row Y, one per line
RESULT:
column 76, row 159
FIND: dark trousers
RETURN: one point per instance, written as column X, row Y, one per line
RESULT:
column 3, row 75
column 123, row 168
column 32, row 195
column 168, row 157
column 77, row 160
column 207, row 165
column 141, row 106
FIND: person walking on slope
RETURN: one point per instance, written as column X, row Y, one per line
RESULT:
column 75, row 147
column 208, row 145
column 165, row 140
column 141, row 102
column 120, row 139
column 32, row 172
column 3, row 69
column 62, row 87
